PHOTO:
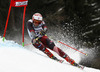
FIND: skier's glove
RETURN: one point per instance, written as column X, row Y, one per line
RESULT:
column 35, row 39
column 42, row 33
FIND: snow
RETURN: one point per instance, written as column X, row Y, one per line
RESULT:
column 15, row 58
column 96, row 19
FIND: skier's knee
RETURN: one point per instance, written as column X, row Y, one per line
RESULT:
column 39, row 46
column 50, row 44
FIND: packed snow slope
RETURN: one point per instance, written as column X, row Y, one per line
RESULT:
column 15, row 58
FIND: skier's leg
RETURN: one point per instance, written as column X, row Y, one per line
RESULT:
column 64, row 55
column 49, row 54
column 41, row 47
column 50, row 44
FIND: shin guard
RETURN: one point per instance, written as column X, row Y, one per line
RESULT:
column 68, row 59
column 48, row 53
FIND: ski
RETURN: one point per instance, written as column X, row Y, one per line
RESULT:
column 60, row 61
column 81, row 67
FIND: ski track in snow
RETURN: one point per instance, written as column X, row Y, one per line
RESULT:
column 15, row 58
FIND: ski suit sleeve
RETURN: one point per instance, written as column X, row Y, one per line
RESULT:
column 44, row 27
column 30, row 30
column 43, row 32
column 29, row 26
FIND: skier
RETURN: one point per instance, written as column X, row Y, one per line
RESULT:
column 37, row 31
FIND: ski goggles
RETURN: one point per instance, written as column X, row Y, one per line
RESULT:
column 37, row 21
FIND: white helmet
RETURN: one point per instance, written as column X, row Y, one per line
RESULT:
column 37, row 16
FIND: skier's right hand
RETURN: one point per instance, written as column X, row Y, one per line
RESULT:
column 34, row 40
column 42, row 32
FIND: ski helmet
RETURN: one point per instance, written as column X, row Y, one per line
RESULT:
column 37, row 16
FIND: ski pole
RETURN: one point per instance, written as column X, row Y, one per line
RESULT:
column 27, row 44
column 72, row 47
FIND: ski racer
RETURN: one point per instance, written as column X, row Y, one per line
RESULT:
column 37, row 31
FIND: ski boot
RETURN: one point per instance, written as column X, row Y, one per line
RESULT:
column 72, row 62
column 68, row 59
column 60, row 61
column 79, row 66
